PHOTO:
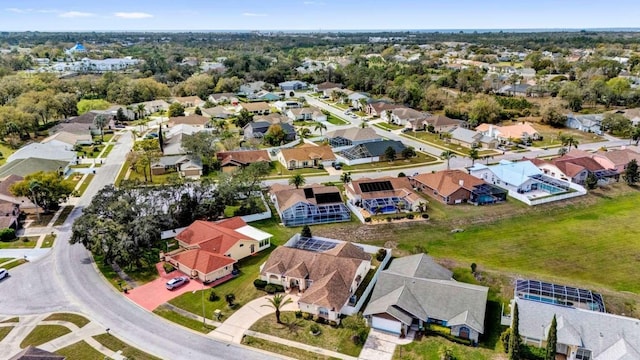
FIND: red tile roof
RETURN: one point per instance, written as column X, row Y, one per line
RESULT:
column 215, row 237
column 202, row 260
column 449, row 181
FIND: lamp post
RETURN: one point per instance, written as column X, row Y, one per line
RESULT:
column 203, row 312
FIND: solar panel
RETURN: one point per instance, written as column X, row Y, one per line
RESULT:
column 376, row 186
column 327, row 198
column 308, row 193
column 313, row 244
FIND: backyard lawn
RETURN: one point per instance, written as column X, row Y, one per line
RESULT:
column 297, row 329
column 80, row 351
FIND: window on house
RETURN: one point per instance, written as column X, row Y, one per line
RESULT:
column 583, row 354
column 241, row 245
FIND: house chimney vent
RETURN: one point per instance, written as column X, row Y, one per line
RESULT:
column 461, row 182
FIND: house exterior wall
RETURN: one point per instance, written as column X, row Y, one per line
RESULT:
column 242, row 249
column 552, row 171
column 316, row 310
column 362, row 271
column 473, row 335
column 191, row 173
column 212, row 276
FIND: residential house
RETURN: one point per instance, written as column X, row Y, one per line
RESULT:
column 232, row 160
column 224, row 98
column 306, row 156
column 293, row 85
column 263, row 95
column 6, row 196
column 192, row 120
column 51, row 150
column 189, row 101
column 456, row 187
column 352, row 136
column 28, row 166
column 112, row 112
column 587, row 123
column 523, row 131
column 312, row 204
column 209, row 250
column 326, row 86
column 576, row 167
column 285, row 105
column 440, row 123
column 585, row 331
column 370, row 152
column 415, row 292
column 9, row 214
column 616, row 159
column 384, row 195
column 272, row 118
column 256, row 108
column 325, row 279
column 306, row 114
column 472, row 139
column 71, row 139
column 172, row 140
column 187, row 166
column 257, row 129
column 153, row 106
column 379, row 108
column 515, row 90
column 358, row 100
column 251, row 88
column 632, row 114
column 402, row 115
column 217, row 112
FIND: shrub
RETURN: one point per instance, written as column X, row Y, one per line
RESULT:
column 270, row 289
column 360, row 336
column 532, row 352
column 96, row 149
column 213, row 297
column 389, row 219
column 298, row 314
column 367, row 219
column 402, row 175
column 504, row 338
column 320, row 166
column 307, row 316
column 7, row 234
column 410, row 216
column 425, row 216
column 306, row 231
column 168, row 267
column 259, row 284
column 380, row 255
column 279, row 288
column 315, row 329
column 321, row 320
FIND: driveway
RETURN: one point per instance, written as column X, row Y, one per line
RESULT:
column 153, row 294
column 233, row 329
column 381, row 345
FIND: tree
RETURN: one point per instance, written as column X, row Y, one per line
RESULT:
column 573, row 95
column 617, row 124
column 45, row 189
column 591, row 182
column 275, row 135
column 319, row 127
column 201, row 144
column 552, row 340
column 100, row 121
column 474, row 155
column 631, row 173
column 197, row 111
column 141, row 110
column 345, row 177
column 243, row 118
column 515, row 342
column 304, row 132
column 160, row 138
column 568, row 141
column 484, row 109
column 176, row 109
column 306, row 231
column 277, row 302
column 551, row 115
column 448, row 155
column 297, row 180
column 148, row 152
column 408, row 152
column 390, row 153
column 635, row 134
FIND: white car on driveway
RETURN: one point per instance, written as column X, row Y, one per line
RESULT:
column 3, row 273
column 176, row 282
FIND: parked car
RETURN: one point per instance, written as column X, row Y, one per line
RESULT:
column 120, row 126
column 3, row 273
column 176, row 282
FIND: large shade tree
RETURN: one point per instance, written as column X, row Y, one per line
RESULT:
column 45, row 189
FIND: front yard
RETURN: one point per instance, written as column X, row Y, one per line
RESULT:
column 430, row 348
column 435, row 140
column 551, row 136
column 20, row 243
column 278, row 170
column 298, row 329
column 418, row 160
column 336, row 120
column 387, row 126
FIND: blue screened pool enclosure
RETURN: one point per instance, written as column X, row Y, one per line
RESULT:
column 560, row 295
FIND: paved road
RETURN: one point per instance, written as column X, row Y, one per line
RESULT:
column 66, row 280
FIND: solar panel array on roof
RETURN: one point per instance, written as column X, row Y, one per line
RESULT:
column 328, row 198
column 308, row 193
column 313, row 244
column 376, row 186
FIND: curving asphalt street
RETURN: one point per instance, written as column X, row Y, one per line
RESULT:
column 66, row 280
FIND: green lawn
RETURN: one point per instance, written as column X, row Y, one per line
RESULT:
column 78, row 320
column 107, row 151
column 434, row 140
column 420, row 159
column 81, row 351
column 20, row 243
column 6, row 151
column 11, row 320
column 387, row 126
column 332, row 338
column 3, row 260
column 428, row 348
column 550, row 136
column 281, row 349
column 122, row 173
column 67, row 209
column 154, row 179
column 336, row 120
column 278, row 170
column 80, row 166
column 48, row 241
column 84, row 185
column 43, row 334
column 4, row 331
column 114, row 344
column 241, row 286
column 13, row 264
column 90, row 151
column 192, row 324
column 340, row 105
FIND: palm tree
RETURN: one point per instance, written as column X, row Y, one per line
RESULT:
column 388, row 113
column 303, row 132
column 320, row 126
column 474, row 155
column 100, row 121
column 345, row 177
column 447, row 155
column 446, row 136
column 297, row 180
column 568, row 141
column 141, row 110
column 277, row 302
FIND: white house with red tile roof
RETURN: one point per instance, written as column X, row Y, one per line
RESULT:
column 208, row 250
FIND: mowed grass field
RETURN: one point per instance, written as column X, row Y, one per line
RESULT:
column 591, row 243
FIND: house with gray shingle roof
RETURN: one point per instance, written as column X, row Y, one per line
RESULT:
column 471, row 139
column 415, row 291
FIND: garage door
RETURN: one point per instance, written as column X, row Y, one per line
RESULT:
column 386, row 325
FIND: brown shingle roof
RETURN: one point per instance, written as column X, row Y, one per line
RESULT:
column 308, row 152
column 288, row 195
column 448, row 181
column 188, row 100
column 189, row 120
column 242, row 158
column 256, row 106
column 328, row 85
column 354, row 134
column 620, row 157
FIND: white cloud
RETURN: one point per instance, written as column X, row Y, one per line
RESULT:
column 132, row 15
column 47, row 11
column 76, row 14
column 17, row 10
column 24, row 11
column 253, row 14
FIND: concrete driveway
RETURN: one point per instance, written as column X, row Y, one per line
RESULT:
column 381, row 346
column 233, row 329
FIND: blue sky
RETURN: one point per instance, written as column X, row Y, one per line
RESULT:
column 65, row 15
